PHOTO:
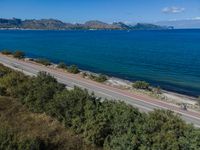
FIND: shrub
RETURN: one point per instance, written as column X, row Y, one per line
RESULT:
column 98, row 78
column 101, row 78
column 43, row 61
column 141, row 85
column 41, row 92
column 6, row 52
column 73, row 69
column 19, row 54
column 62, row 65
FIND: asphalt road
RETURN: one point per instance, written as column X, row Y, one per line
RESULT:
column 143, row 103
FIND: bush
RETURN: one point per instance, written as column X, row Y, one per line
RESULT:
column 73, row 69
column 14, row 84
column 62, row 65
column 41, row 92
column 141, row 85
column 19, row 54
column 6, row 52
column 43, row 61
column 98, row 78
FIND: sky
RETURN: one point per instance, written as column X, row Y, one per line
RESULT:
column 128, row 11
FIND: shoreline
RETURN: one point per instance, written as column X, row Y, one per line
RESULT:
column 193, row 95
column 165, row 95
column 171, row 97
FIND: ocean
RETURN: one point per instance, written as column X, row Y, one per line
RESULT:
column 166, row 58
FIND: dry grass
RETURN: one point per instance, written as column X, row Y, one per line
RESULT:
column 26, row 124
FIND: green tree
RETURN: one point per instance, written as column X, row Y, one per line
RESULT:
column 14, row 84
column 42, row 90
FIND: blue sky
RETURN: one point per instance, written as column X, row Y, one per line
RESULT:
column 129, row 11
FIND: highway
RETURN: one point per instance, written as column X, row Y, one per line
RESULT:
column 142, row 102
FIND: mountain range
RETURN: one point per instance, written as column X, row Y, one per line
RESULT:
column 182, row 24
column 53, row 24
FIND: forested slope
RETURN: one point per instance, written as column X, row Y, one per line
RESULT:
column 104, row 124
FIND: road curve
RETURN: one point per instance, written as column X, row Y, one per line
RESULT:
column 142, row 102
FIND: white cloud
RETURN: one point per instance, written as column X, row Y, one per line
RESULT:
column 196, row 18
column 173, row 9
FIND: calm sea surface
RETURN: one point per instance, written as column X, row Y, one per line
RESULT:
column 168, row 58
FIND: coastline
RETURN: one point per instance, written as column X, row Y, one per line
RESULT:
column 165, row 96
column 140, row 101
column 174, row 74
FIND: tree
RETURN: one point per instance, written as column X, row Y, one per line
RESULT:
column 14, row 84
column 19, row 54
column 141, row 85
column 73, row 69
column 43, row 88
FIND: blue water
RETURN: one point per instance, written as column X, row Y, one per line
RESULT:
column 169, row 58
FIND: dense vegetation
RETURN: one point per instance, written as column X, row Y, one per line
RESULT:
column 22, row 130
column 109, row 125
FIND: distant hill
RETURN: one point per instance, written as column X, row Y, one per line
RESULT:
column 52, row 24
column 182, row 24
column 145, row 26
